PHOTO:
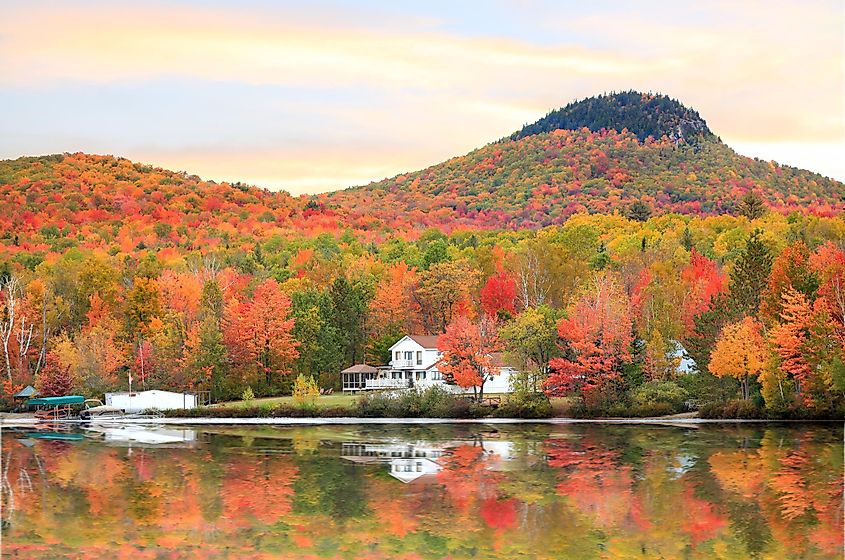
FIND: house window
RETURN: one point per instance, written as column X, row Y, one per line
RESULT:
column 423, row 375
column 398, row 355
column 419, row 357
column 409, row 356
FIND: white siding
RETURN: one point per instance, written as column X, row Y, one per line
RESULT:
column 143, row 400
column 411, row 355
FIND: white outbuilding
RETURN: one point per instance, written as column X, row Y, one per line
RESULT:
column 139, row 401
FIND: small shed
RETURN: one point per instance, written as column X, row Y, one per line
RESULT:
column 355, row 378
column 139, row 401
column 27, row 392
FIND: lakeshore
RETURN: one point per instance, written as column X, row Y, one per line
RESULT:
column 11, row 420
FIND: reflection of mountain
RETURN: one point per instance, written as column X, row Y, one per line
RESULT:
column 412, row 461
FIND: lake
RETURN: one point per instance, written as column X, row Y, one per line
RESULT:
column 454, row 491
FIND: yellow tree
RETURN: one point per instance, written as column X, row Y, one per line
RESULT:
column 740, row 352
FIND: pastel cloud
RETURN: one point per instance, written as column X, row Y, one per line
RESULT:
column 314, row 100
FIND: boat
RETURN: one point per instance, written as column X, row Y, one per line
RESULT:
column 95, row 409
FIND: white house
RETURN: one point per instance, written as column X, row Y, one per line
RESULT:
column 139, row 401
column 413, row 363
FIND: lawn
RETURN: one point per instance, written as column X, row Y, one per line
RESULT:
column 323, row 401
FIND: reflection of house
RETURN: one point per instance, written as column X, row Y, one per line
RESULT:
column 409, row 462
column 413, row 363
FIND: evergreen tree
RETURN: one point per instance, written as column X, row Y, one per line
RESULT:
column 751, row 206
column 639, row 211
column 349, row 310
column 686, row 239
column 749, row 276
column 210, row 357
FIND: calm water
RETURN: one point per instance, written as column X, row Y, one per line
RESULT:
column 399, row 492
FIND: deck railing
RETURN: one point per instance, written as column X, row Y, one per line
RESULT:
column 388, row 383
column 402, row 364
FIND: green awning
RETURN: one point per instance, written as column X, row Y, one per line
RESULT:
column 55, row 401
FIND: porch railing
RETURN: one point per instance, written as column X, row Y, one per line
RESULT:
column 388, row 383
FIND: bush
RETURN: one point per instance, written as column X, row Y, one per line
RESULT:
column 743, row 409
column 662, row 395
column 305, row 391
column 247, row 395
column 222, row 412
column 746, row 409
column 434, row 402
column 525, row 405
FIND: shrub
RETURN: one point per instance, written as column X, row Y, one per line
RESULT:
column 222, row 412
column 305, row 391
column 525, row 405
column 434, row 402
column 247, row 395
column 664, row 395
column 743, row 409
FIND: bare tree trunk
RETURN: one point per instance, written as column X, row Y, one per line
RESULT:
column 24, row 338
column 7, row 326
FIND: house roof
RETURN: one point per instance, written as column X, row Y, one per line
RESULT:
column 360, row 368
column 26, row 392
column 425, row 340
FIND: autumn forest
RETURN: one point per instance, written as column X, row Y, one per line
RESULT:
column 629, row 273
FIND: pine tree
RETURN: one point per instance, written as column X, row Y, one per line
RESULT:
column 686, row 239
column 639, row 211
column 749, row 277
column 751, row 206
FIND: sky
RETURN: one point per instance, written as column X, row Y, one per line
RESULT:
column 311, row 97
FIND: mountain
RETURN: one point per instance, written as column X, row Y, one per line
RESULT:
column 605, row 159
column 642, row 114
column 600, row 154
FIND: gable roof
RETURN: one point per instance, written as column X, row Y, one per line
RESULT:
column 26, row 392
column 425, row 340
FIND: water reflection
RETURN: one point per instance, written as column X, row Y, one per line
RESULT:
column 582, row 491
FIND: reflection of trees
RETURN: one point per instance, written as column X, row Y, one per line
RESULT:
column 259, row 488
column 573, row 492
column 330, row 488
column 791, row 484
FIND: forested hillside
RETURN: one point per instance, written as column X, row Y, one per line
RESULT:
column 592, row 258
column 544, row 178
column 55, row 203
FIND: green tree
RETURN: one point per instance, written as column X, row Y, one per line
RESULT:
column 639, row 211
column 751, row 206
column 349, row 312
column 532, row 336
column 749, row 276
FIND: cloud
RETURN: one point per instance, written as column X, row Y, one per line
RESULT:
column 314, row 100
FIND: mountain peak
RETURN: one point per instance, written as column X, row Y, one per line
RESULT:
column 642, row 114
